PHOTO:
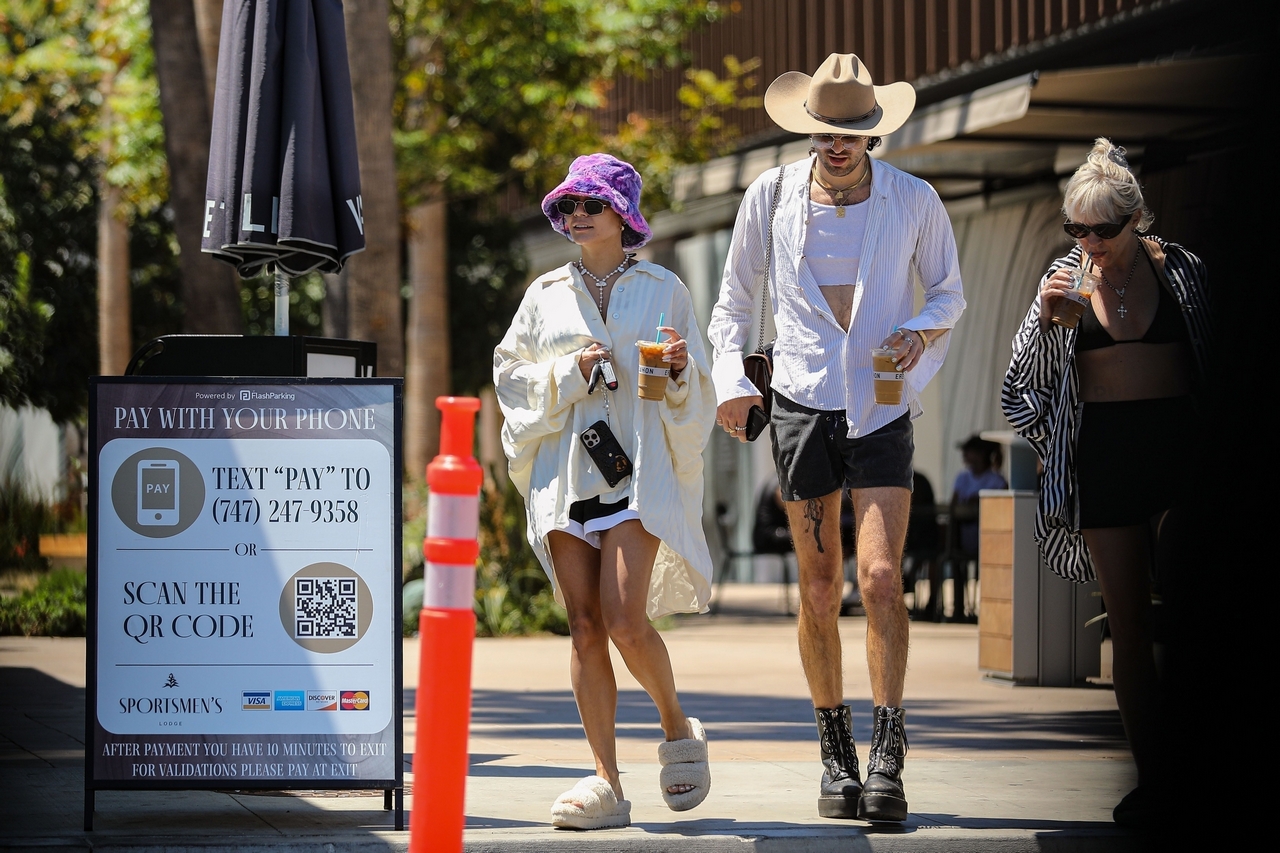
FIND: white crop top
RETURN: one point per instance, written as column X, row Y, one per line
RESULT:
column 833, row 246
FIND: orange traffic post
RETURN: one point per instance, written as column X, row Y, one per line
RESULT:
column 447, row 629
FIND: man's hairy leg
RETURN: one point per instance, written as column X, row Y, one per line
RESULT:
column 815, row 530
column 881, row 515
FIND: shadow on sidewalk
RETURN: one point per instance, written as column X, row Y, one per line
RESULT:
column 932, row 723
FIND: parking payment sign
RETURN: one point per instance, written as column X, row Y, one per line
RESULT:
column 245, row 591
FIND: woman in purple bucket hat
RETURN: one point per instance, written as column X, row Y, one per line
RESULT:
column 612, row 481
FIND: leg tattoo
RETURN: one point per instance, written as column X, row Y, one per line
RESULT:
column 813, row 513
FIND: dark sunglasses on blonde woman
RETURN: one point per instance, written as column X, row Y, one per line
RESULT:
column 1106, row 230
column 593, row 207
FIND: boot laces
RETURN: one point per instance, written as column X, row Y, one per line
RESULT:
column 837, row 741
column 888, row 743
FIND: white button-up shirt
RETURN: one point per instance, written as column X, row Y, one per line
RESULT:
column 545, row 403
column 816, row 362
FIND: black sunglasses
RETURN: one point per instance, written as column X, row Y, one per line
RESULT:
column 593, row 207
column 1106, row 230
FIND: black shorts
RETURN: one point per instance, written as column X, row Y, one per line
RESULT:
column 1132, row 459
column 815, row 456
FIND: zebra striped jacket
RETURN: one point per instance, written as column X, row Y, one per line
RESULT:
column 1040, row 397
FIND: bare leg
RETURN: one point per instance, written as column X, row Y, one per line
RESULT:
column 627, row 553
column 1122, row 560
column 577, row 567
column 881, row 516
column 815, row 526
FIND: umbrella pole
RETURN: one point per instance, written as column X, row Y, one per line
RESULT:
column 282, row 302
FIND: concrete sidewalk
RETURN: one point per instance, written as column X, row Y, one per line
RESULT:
column 990, row 767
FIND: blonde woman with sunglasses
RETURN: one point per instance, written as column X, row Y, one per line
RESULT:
column 1109, row 406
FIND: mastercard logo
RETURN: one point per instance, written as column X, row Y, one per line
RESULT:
column 354, row 700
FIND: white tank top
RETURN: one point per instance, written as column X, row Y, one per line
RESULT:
column 833, row 245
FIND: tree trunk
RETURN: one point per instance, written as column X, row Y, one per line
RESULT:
column 427, row 336
column 210, row 288
column 373, row 283
column 115, row 338
column 209, row 32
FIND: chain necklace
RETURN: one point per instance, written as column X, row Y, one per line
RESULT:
column 602, row 282
column 839, row 195
column 1121, row 310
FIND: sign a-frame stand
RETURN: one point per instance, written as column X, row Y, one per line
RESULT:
column 244, row 595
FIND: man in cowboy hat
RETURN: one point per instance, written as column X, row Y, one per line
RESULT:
column 843, row 240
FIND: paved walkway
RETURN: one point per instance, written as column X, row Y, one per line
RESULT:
column 990, row 768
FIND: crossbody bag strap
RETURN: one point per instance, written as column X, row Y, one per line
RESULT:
column 768, row 255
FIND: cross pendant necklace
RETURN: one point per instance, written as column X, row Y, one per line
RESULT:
column 602, row 282
column 1132, row 269
column 839, row 195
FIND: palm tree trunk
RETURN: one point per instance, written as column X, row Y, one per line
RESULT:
column 115, row 344
column 427, row 335
column 373, row 282
column 209, row 32
column 210, row 288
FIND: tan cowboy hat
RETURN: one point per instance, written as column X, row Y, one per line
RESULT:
column 839, row 99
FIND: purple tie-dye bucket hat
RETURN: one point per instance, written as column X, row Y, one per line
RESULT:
column 611, row 180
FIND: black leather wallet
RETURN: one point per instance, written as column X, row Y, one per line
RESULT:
column 603, row 448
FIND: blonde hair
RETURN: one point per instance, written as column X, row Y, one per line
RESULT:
column 1105, row 190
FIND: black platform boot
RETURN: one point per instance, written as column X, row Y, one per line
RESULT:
column 841, row 784
column 883, row 797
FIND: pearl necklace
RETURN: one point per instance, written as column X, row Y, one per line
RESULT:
column 602, row 281
column 1121, row 310
column 839, row 195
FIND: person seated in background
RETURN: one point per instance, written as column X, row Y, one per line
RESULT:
column 923, row 547
column 981, row 459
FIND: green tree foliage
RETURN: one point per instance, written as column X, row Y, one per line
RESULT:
column 61, row 63
column 495, row 91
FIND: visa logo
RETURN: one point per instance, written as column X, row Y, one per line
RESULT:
column 290, row 700
column 256, row 700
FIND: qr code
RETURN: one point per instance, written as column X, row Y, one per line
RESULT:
column 325, row 608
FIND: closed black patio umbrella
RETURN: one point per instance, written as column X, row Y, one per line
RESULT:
column 284, row 179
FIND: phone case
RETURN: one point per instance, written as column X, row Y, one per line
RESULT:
column 603, row 448
column 757, row 420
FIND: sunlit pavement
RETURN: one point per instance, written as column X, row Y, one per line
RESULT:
column 990, row 766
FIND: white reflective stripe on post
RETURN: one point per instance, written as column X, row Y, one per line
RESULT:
column 453, row 516
column 449, row 587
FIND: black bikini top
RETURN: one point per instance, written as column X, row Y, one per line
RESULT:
column 1167, row 327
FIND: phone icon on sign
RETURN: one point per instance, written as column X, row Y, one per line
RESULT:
column 158, row 492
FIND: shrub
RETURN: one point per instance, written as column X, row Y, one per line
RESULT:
column 55, row 608
column 22, row 520
column 513, row 593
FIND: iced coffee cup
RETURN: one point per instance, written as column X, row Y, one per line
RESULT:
column 887, row 377
column 1068, row 310
column 654, row 372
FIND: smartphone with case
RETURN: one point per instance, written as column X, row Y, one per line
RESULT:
column 603, row 448
column 757, row 420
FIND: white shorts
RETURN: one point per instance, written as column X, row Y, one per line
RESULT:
column 588, row 519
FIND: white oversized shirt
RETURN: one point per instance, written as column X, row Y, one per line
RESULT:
column 816, row 363
column 544, row 400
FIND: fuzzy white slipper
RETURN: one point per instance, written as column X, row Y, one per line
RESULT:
column 684, row 762
column 590, row 804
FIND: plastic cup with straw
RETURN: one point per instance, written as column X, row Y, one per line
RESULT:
column 653, row 371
